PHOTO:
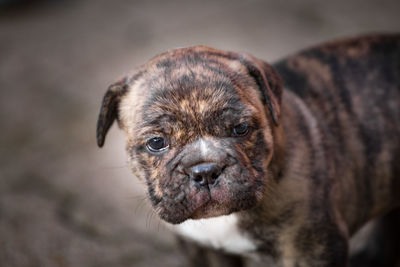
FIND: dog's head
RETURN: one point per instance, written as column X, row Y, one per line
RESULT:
column 199, row 125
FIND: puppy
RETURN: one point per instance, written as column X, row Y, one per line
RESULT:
column 284, row 163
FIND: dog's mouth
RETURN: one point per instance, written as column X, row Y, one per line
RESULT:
column 200, row 204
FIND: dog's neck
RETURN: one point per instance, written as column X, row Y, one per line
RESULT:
column 277, row 163
column 286, row 168
column 293, row 111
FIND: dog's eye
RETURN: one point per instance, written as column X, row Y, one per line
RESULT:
column 241, row 129
column 157, row 144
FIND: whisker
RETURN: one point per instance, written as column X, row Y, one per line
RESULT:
column 139, row 206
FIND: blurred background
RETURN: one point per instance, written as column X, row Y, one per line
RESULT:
column 63, row 201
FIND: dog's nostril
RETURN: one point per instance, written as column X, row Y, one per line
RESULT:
column 198, row 178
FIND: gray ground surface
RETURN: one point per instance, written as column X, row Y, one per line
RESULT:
column 63, row 201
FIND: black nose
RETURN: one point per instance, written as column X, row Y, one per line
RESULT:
column 205, row 173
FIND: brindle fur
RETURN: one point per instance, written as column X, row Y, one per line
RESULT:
column 321, row 158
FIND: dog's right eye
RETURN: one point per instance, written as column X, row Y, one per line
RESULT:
column 241, row 129
column 157, row 144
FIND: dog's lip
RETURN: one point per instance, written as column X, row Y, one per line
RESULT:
column 210, row 208
column 200, row 211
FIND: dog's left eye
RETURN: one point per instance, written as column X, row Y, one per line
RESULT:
column 241, row 129
column 157, row 144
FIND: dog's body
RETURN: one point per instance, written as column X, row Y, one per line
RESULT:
column 296, row 169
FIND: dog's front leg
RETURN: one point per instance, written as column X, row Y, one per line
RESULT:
column 199, row 256
column 314, row 248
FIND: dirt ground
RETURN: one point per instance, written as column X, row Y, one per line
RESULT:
column 63, row 201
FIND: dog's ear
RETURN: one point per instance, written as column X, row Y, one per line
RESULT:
column 109, row 109
column 269, row 83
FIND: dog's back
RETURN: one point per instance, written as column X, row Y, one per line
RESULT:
column 352, row 88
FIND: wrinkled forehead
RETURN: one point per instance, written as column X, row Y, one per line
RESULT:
column 194, row 90
column 192, row 85
column 192, row 70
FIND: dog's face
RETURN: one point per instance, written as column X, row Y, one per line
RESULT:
column 199, row 125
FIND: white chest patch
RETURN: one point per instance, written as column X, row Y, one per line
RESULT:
column 219, row 233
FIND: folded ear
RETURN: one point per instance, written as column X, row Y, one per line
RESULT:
column 269, row 83
column 109, row 109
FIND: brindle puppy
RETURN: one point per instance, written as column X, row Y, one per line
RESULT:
column 285, row 171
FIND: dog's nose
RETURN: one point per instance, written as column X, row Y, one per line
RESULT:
column 205, row 174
